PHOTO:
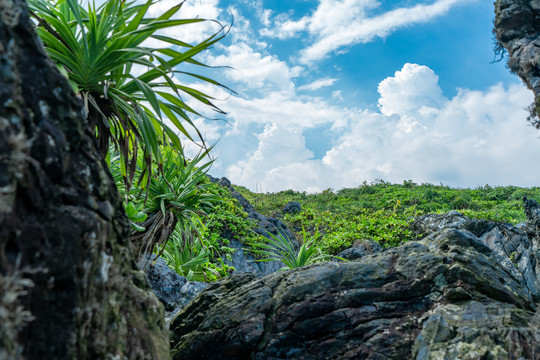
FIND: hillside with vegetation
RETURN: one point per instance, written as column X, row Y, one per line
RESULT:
column 384, row 212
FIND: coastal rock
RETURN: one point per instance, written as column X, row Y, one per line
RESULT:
column 514, row 249
column 65, row 261
column 444, row 297
column 517, row 28
column 173, row 290
column 359, row 250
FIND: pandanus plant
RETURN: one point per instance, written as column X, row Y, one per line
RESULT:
column 98, row 47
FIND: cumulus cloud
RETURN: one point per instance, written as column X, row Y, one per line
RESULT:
column 475, row 138
column 253, row 69
column 410, row 90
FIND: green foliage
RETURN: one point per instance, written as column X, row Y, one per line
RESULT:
column 384, row 212
column 280, row 248
column 97, row 48
column 192, row 258
column 135, row 214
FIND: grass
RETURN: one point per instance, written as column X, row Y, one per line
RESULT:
column 384, row 212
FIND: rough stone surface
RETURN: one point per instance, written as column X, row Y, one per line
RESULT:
column 359, row 250
column 173, row 290
column 517, row 252
column 292, row 207
column 62, row 225
column 517, row 28
column 445, row 297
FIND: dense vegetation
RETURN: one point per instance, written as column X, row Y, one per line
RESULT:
column 384, row 212
column 174, row 209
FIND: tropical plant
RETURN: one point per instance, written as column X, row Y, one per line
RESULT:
column 280, row 248
column 185, row 260
column 176, row 197
column 97, row 48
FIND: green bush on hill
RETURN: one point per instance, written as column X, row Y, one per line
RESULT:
column 384, row 212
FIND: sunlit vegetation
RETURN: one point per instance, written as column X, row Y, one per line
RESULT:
column 384, row 212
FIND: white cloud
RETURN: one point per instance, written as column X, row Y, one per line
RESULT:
column 411, row 89
column 281, row 109
column 253, row 69
column 475, row 138
column 318, row 84
column 337, row 24
column 192, row 33
column 278, row 147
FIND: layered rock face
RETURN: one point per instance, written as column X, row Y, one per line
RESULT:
column 64, row 251
column 517, row 28
column 447, row 296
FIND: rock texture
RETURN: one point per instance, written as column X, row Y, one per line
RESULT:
column 173, row 290
column 517, row 28
column 63, row 232
column 513, row 248
column 360, row 250
column 445, row 297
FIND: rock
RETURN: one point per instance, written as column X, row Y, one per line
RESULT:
column 517, row 28
column 514, row 250
column 64, row 249
column 173, row 290
column 430, row 223
column 244, row 261
column 445, row 297
column 292, row 207
column 532, row 212
column 359, row 250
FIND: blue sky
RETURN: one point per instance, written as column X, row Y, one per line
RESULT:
column 331, row 93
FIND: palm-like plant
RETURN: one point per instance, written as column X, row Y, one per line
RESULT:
column 175, row 199
column 188, row 261
column 280, row 248
column 97, row 49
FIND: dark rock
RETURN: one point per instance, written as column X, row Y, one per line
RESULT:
column 244, row 261
column 292, row 207
column 445, row 297
column 359, row 250
column 532, row 212
column 514, row 250
column 430, row 223
column 173, row 290
column 64, row 250
column 517, row 28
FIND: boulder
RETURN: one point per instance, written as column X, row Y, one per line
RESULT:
column 444, row 297
column 292, row 207
column 514, row 247
column 173, row 290
column 517, row 28
column 359, row 250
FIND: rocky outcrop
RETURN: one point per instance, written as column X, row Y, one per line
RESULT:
column 64, row 251
column 517, row 28
column 359, row 250
column 173, row 290
column 444, row 297
column 242, row 259
column 513, row 247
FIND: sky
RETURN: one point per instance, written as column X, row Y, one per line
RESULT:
column 335, row 93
